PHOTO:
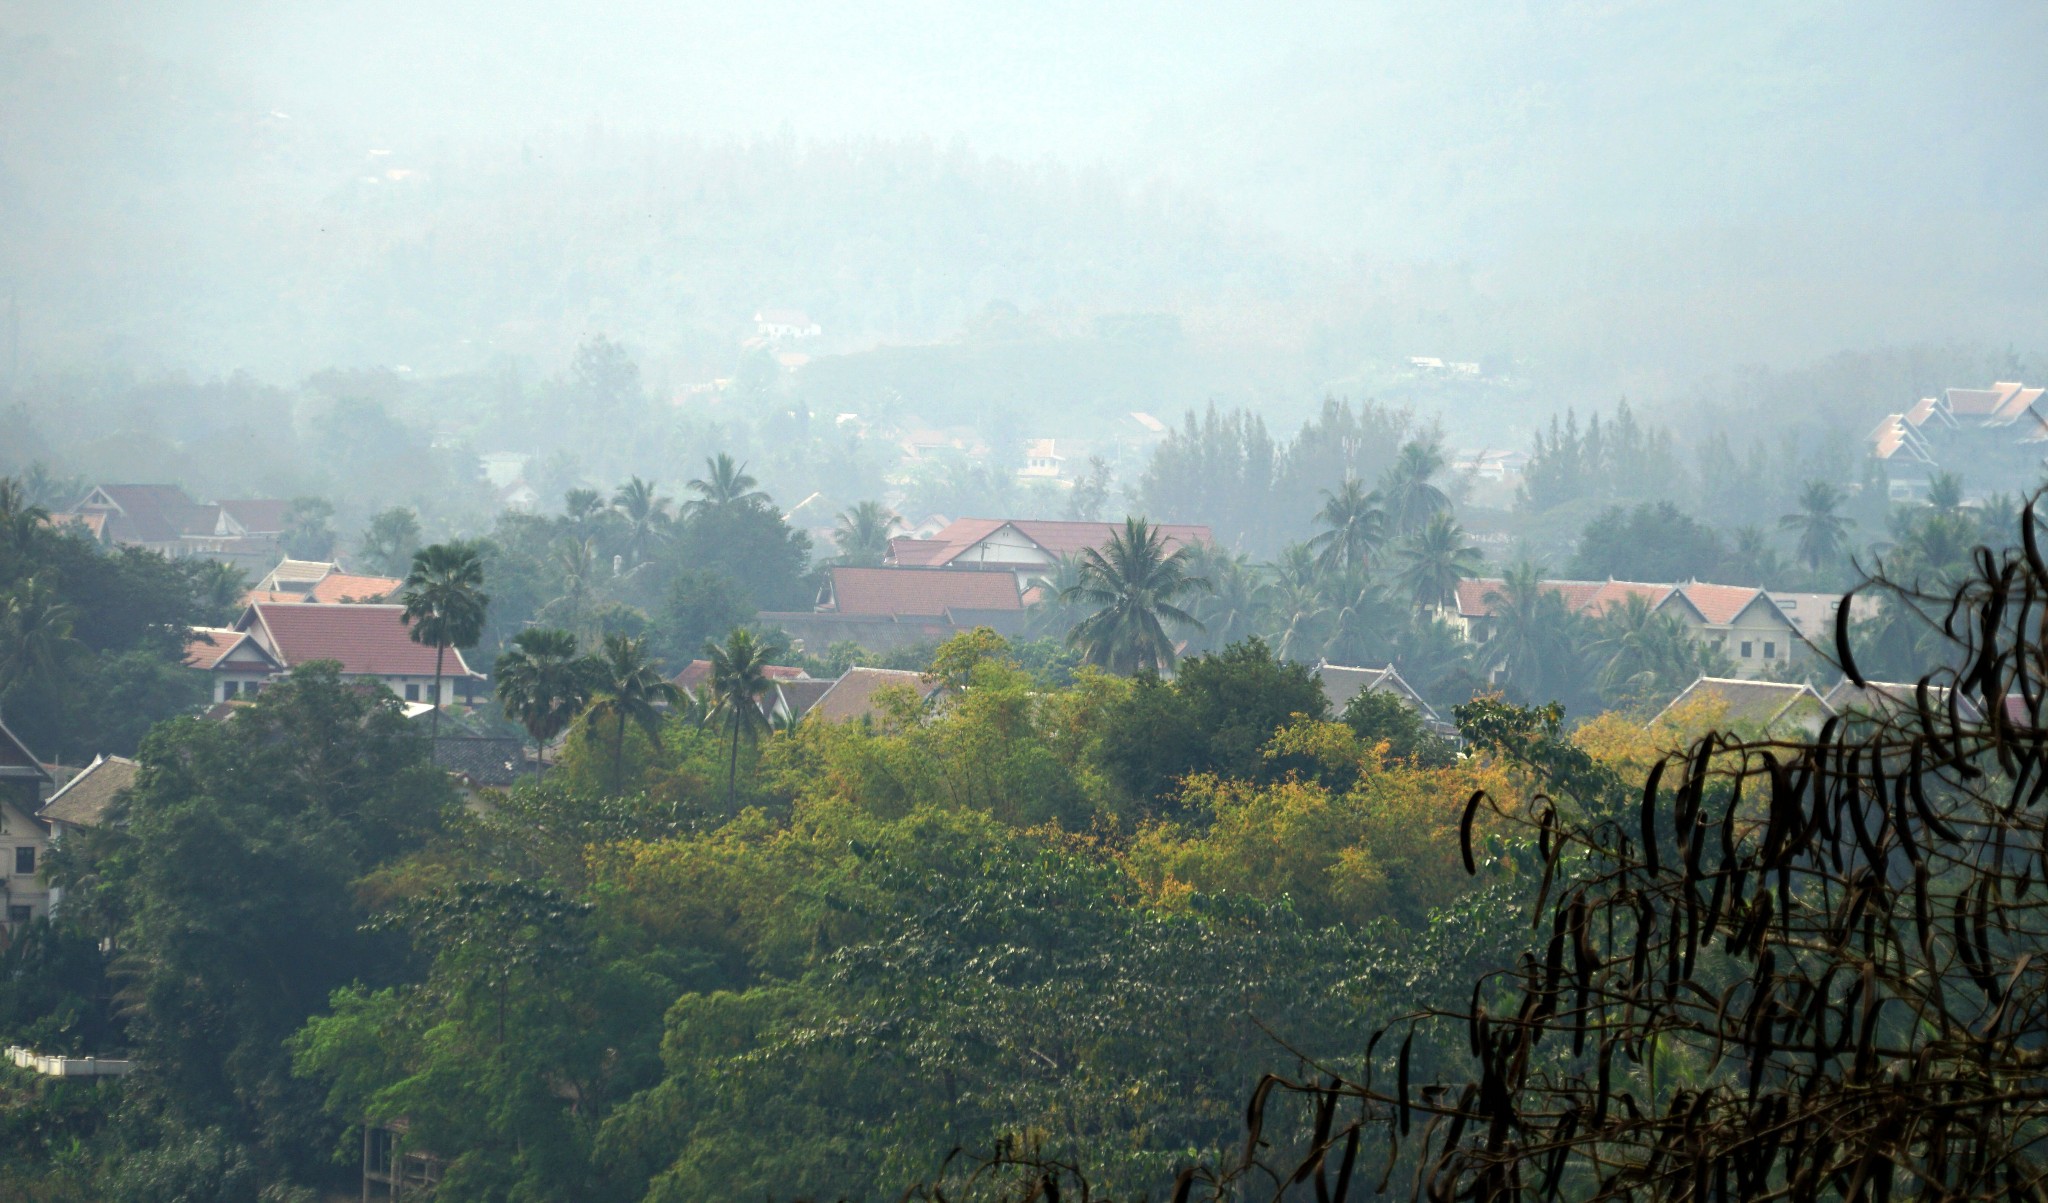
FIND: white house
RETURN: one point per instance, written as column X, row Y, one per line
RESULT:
column 23, row 837
column 370, row 642
column 783, row 325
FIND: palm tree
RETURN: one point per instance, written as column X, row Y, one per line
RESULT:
column 1230, row 611
column 576, row 560
column 863, row 534
column 543, row 684
column 627, row 687
column 1641, row 650
column 1945, row 492
column 582, row 506
column 20, row 518
column 1135, row 585
column 646, row 514
column 739, row 680
column 1823, row 533
column 725, row 485
column 1406, row 489
column 1433, row 560
column 221, row 587
column 1532, row 635
column 35, row 633
column 445, row 604
column 1752, row 560
column 1356, row 528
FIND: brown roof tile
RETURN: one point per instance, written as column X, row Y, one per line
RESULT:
column 367, row 640
column 84, row 800
column 921, row 592
column 852, row 697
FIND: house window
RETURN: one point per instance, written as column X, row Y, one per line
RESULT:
column 1745, row 649
column 1770, row 650
column 229, row 689
column 25, row 860
column 412, row 693
column 17, row 914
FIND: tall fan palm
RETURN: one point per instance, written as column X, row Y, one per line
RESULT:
column 445, row 604
column 863, row 534
column 1431, row 562
column 1407, row 490
column 725, row 485
column 627, row 687
column 1823, row 533
column 739, row 682
column 646, row 514
column 543, row 684
column 1136, row 586
column 1356, row 526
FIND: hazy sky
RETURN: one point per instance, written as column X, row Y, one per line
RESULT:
column 1443, row 129
column 1753, row 180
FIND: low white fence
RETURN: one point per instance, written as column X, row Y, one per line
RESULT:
column 67, row 1067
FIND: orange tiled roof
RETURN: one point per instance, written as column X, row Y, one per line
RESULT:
column 852, row 697
column 1980, row 402
column 344, row 587
column 207, row 645
column 1720, row 604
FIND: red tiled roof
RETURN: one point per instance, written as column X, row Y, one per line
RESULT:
column 916, row 553
column 207, row 645
column 1720, row 604
column 1580, row 597
column 921, row 592
column 367, row 640
column 258, row 515
column 1922, row 410
column 1056, row 538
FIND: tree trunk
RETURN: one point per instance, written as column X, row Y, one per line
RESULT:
column 434, row 724
column 732, row 772
column 619, row 755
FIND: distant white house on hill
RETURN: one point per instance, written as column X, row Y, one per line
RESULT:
column 784, row 325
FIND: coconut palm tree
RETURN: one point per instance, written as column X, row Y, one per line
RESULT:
column 627, row 687
column 1823, row 533
column 646, row 516
column 445, row 604
column 544, row 684
column 1430, row 563
column 35, row 633
column 1135, row 585
column 863, row 534
column 1361, row 621
column 1532, row 640
column 1230, row 611
column 1641, row 650
column 221, row 587
column 1945, row 492
column 1752, row 560
column 1407, row 491
column 739, row 682
column 582, row 506
column 1356, row 525
column 725, row 485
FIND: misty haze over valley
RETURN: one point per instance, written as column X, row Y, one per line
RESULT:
column 666, row 601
